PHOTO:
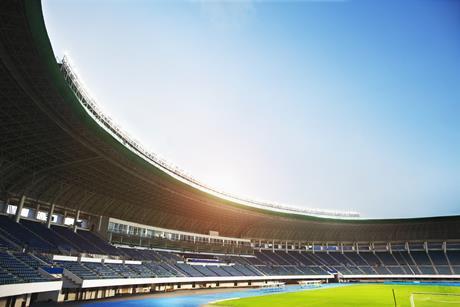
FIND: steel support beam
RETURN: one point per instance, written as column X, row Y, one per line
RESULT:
column 99, row 224
column 17, row 217
column 77, row 216
column 50, row 216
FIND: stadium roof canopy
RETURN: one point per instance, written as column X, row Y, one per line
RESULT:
column 52, row 150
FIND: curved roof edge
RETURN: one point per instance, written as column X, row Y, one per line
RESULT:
column 38, row 29
column 107, row 123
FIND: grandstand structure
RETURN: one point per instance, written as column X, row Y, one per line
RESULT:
column 86, row 213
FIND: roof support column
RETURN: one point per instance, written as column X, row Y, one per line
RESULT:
column 77, row 216
column 17, row 217
column 50, row 216
column 273, row 246
column 37, row 210
column 5, row 207
column 99, row 224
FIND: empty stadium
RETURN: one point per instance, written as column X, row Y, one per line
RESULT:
column 87, row 213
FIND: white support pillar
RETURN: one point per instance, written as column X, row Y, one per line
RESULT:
column 37, row 210
column 77, row 216
column 313, row 247
column 50, row 216
column 273, row 246
column 5, row 208
column 99, row 224
column 390, row 248
column 444, row 247
column 286, row 246
column 341, row 247
column 17, row 217
column 425, row 246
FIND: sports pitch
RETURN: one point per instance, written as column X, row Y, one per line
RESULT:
column 358, row 295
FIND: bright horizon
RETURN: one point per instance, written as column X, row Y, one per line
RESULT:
column 338, row 105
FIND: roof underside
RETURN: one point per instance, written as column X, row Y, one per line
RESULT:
column 53, row 151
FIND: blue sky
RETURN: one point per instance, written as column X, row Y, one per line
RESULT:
column 347, row 105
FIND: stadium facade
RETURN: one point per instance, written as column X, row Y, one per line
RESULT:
column 87, row 213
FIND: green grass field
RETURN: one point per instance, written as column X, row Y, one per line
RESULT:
column 354, row 296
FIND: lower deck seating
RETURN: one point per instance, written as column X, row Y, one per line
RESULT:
column 189, row 270
column 40, row 242
column 19, row 268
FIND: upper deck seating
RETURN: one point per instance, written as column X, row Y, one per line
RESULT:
column 356, row 258
column 421, row 258
column 245, row 270
column 289, row 257
column 5, row 244
column 7, row 277
column 24, row 237
column 425, row 269
column 129, row 271
column 100, row 243
column 102, row 270
column 310, row 259
column 299, row 260
column 443, row 269
column 371, row 259
column 438, row 257
column 78, row 241
column 396, row 270
column 264, row 257
column 454, row 257
column 340, row 258
column 40, row 229
column 281, row 258
column 78, row 269
column 204, row 270
column 386, row 258
column 407, row 258
column 327, row 259
column 219, row 271
column 188, row 270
